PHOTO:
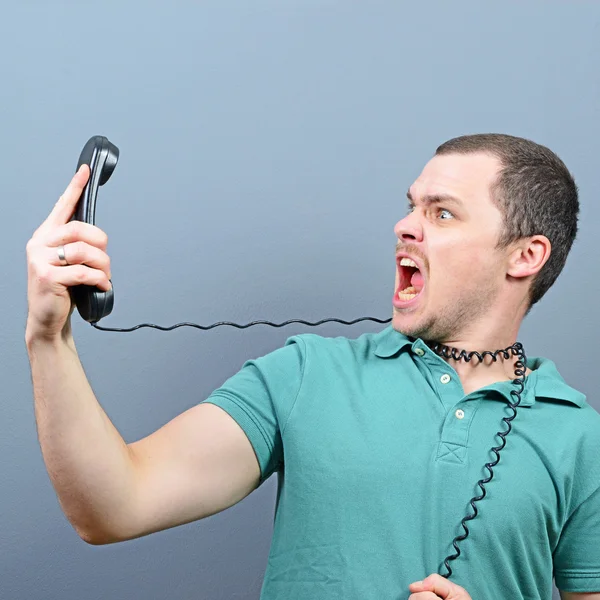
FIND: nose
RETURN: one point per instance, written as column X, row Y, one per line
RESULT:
column 408, row 229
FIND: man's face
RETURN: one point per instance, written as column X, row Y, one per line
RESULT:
column 453, row 244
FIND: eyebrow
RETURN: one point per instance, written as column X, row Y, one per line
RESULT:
column 436, row 199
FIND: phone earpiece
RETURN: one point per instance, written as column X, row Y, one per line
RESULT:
column 112, row 158
column 101, row 156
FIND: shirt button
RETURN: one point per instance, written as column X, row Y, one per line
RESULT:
column 445, row 378
column 460, row 414
column 419, row 351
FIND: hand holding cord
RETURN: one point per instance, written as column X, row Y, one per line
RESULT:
column 94, row 304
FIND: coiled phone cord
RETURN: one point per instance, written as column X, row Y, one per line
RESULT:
column 441, row 350
column 520, row 371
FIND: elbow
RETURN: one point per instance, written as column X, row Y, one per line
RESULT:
column 96, row 538
column 91, row 540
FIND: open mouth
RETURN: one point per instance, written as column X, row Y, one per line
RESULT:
column 411, row 281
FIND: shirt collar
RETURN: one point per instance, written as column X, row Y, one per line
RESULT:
column 544, row 382
column 389, row 341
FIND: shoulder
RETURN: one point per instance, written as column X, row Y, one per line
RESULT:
column 316, row 353
column 574, row 442
column 584, row 426
column 323, row 347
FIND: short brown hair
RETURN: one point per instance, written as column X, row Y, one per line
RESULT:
column 535, row 192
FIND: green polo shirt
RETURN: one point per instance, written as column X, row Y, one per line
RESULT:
column 378, row 452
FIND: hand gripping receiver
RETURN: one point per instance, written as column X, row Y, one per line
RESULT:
column 101, row 156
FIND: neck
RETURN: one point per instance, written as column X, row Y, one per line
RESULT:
column 494, row 332
column 479, row 366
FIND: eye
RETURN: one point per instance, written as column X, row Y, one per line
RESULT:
column 411, row 207
column 446, row 211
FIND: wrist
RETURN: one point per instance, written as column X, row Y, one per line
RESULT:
column 37, row 338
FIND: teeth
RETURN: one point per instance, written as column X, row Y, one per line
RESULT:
column 407, row 262
column 408, row 294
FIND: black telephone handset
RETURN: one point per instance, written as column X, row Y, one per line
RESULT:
column 101, row 156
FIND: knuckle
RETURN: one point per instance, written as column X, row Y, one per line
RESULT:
column 30, row 247
column 80, row 274
column 36, row 265
column 42, row 273
column 73, row 230
column 79, row 228
column 34, row 242
column 78, row 252
column 82, row 229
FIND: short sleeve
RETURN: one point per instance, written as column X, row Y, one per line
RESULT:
column 577, row 555
column 260, row 397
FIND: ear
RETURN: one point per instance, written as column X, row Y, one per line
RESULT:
column 529, row 256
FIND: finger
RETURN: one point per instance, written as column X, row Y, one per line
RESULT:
column 73, row 275
column 65, row 206
column 80, row 253
column 419, row 592
column 434, row 583
column 76, row 231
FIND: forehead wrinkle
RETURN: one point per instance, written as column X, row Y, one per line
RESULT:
column 436, row 199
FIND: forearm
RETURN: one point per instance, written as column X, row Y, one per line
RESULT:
column 88, row 461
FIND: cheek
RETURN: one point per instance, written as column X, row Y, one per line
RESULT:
column 472, row 273
column 457, row 273
column 465, row 262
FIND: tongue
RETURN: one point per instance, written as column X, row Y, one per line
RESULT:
column 417, row 281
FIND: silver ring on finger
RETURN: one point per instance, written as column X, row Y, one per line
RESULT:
column 61, row 255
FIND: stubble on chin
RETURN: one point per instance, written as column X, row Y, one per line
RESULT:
column 449, row 323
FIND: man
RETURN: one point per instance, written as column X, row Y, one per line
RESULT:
column 379, row 441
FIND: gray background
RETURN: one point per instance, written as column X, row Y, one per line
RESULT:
column 266, row 148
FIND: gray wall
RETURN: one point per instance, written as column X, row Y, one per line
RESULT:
column 265, row 151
